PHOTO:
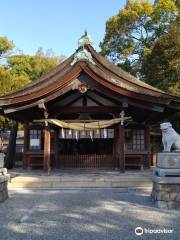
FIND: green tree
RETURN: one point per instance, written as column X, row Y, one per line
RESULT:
column 161, row 68
column 5, row 78
column 43, row 63
column 131, row 34
column 20, row 69
column 30, row 67
column 6, row 47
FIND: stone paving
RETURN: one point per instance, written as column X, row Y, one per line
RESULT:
column 84, row 214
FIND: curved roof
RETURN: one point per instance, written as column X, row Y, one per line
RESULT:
column 88, row 61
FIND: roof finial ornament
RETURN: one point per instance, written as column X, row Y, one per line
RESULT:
column 85, row 40
column 85, row 32
column 82, row 52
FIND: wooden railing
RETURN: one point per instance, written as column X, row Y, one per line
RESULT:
column 86, row 161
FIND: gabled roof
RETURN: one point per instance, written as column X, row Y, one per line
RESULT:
column 86, row 60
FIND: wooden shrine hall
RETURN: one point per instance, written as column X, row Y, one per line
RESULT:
column 87, row 113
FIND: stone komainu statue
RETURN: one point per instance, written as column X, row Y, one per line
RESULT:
column 170, row 137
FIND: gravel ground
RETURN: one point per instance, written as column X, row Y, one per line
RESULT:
column 83, row 214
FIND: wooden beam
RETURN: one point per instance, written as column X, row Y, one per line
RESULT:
column 47, row 148
column 119, row 100
column 11, row 150
column 15, row 108
column 96, row 101
column 73, row 101
column 115, row 152
column 56, row 146
column 122, row 152
column 84, row 100
column 104, row 93
column 98, row 109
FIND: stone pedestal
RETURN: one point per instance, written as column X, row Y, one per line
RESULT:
column 168, row 160
column 166, row 181
column 4, row 178
column 3, row 187
column 166, row 192
column 2, row 160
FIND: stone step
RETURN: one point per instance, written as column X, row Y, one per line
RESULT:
column 80, row 182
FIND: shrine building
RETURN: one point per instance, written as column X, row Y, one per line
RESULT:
column 87, row 113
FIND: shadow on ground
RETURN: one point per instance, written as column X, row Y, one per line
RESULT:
column 83, row 214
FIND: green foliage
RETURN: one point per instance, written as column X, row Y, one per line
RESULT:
column 43, row 63
column 131, row 34
column 18, row 70
column 4, row 80
column 161, row 68
column 31, row 67
column 5, row 47
column 4, row 88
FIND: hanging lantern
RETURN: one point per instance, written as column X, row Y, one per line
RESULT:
column 63, row 133
column 105, row 132
column 70, row 131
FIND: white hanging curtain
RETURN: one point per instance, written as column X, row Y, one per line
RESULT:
column 77, row 135
column 63, row 133
column 105, row 132
column 91, row 135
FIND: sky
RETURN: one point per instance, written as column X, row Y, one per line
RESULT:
column 55, row 24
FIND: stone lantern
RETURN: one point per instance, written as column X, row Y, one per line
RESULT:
column 2, row 155
column 4, row 177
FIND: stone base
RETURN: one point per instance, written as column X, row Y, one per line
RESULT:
column 170, row 160
column 2, row 160
column 162, row 172
column 4, row 186
column 3, row 171
column 166, row 192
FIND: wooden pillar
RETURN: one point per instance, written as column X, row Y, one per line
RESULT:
column 119, row 147
column 147, row 143
column 121, row 152
column 11, row 150
column 56, row 147
column 26, row 142
column 47, row 149
column 115, row 155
